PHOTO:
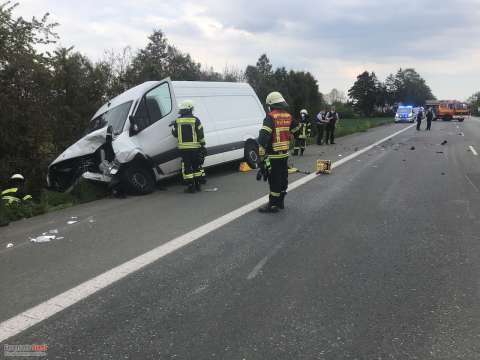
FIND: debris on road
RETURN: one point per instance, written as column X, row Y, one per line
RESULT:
column 60, row 238
column 412, row 148
column 443, row 173
column 54, row 231
column 340, row 155
column 324, row 167
column 71, row 222
column 43, row 239
column 9, row 245
column 215, row 189
column 461, row 134
column 439, row 152
column 444, row 142
column 356, row 149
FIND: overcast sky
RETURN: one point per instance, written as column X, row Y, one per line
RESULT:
column 333, row 39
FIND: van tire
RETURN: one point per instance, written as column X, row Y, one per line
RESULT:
column 139, row 180
column 251, row 154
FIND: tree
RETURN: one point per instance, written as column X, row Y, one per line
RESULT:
column 364, row 93
column 474, row 102
column 335, row 96
column 407, row 87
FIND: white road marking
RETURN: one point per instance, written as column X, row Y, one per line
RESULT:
column 471, row 182
column 43, row 311
column 472, row 149
column 256, row 270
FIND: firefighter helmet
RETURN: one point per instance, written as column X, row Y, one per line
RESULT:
column 186, row 105
column 303, row 112
column 17, row 177
column 275, row 98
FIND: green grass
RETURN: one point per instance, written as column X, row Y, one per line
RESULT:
column 351, row 126
column 51, row 201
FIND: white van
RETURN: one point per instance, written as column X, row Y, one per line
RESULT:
column 129, row 139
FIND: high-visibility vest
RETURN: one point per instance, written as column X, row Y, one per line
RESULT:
column 187, row 133
column 282, row 121
column 10, row 196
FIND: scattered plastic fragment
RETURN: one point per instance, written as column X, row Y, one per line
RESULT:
column 444, row 142
column 71, row 222
column 439, row 152
column 74, row 217
column 54, row 231
column 443, row 173
column 91, row 221
column 412, row 148
column 461, row 134
column 43, row 239
column 211, row 190
column 340, row 155
column 356, row 149
column 9, row 245
column 60, row 238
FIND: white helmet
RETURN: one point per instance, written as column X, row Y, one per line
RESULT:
column 303, row 112
column 186, row 105
column 17, row 177
column 275, row 98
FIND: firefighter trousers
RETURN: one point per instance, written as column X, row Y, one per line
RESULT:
column 278, row 180
column 300, row 145
column 191, row 167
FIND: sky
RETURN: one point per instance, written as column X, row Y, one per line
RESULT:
column 333, row 39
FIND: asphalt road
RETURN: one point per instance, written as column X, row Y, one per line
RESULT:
column 380, row 260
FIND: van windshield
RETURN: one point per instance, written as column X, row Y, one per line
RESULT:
column 115, row 117
column 404, row 110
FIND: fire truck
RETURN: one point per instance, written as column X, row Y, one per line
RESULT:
column 448, row 110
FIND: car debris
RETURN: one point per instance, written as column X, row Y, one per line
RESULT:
column 9, row 245
column 43, row 239
column 412, row 148
column 54, row 231
column 444, row 142
column 71, row 222
column 439, row 152
column 211, row 190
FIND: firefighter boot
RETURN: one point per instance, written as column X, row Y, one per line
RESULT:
column 190, row 188
column 301, row 152
column 269, row 208
column 198, row 184
column 281, row 204
column 295, row 152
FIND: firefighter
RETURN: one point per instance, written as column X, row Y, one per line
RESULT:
column 304, row 132
column 191, row 142
column 429, row 117
column 15, row 194
column 274, row 143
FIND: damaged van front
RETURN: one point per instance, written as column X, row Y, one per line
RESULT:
column 105, row 148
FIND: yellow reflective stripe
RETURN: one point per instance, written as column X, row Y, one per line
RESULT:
column 200, row 127
column 187, row 176
column 189, row 146
column 267, row 129
column 278, row 156
column 275, row 194
column 282, row 128
column 27, row 197
column 9, row 191
column 182, row 120
column 198, row 174
column 10, row 199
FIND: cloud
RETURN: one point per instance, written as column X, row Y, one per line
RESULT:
column 334, row 39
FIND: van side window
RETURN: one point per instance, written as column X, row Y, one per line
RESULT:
column 155, row 105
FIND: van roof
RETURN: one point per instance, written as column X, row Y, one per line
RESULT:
column 137, row 91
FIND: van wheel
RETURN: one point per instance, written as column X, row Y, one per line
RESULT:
column 251, row 154
column 139, row 180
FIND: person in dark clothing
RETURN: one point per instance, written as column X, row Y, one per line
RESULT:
column 419, row 119
column 191, row 143
column 274, row 143
column 320, row 123
column 332, row 119
column 429, row 118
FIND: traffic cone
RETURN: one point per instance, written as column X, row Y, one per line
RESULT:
column 244, row 167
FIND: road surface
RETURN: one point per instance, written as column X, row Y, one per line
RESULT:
column 380, row 260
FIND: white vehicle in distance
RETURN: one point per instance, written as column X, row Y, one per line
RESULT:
column 405, row 114
column 129, row 138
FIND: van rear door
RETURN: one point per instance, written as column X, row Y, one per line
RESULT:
column 156, row 111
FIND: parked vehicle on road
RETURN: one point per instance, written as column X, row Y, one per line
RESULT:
column 405, row 114
column 448, row 110
column 129, row 138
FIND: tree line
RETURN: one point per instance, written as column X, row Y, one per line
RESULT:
column 47, row 98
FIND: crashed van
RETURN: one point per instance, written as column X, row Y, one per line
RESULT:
column 129, row 139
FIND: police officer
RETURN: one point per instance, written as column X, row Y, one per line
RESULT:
column 419, row 118
column 274, row 141
column 191, row 142
column 15, row 193
column 304, row 132
column 321, row 123
column 429, row 118
column 331, row 118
